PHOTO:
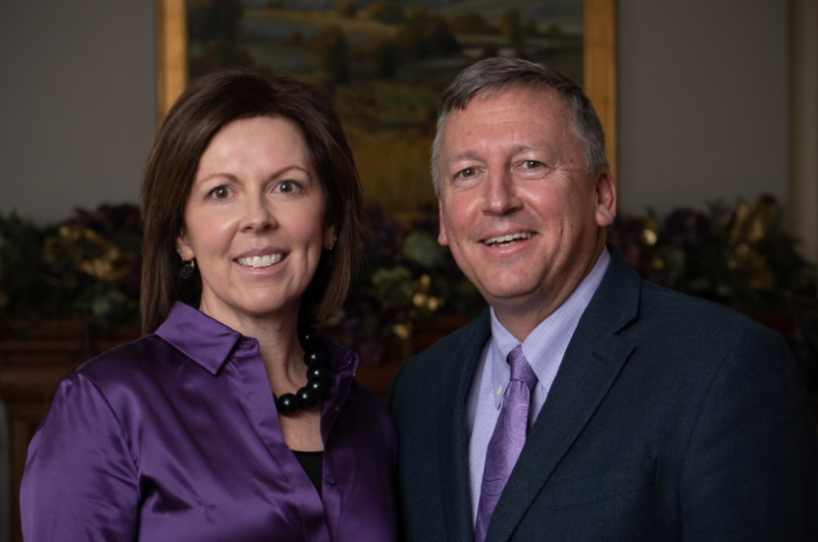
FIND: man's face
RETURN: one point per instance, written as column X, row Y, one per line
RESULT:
column 523, row 220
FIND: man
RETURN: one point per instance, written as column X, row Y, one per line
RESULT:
column 650, row 416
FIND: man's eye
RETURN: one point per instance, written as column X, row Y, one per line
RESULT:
column 468, row 172
column 532, row 164
column 220, row 192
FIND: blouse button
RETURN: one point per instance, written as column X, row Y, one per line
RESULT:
column 330, row 480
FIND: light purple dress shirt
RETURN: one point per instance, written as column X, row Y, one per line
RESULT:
column 543, row 348
column 176, row 437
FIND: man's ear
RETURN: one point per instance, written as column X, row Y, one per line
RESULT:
column 605, row 189
column 441, row 236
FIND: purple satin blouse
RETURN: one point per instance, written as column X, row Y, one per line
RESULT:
column 175, row 437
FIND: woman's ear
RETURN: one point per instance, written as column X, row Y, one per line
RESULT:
column 329, row 238
column 183, row 248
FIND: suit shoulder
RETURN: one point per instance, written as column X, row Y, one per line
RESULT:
column 675, row 317
column 685, row 306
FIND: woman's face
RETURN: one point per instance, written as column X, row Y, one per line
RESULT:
column 254, row 221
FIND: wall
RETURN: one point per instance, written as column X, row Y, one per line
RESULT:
column 76, row 104
column 703, row 102
column 803, row 66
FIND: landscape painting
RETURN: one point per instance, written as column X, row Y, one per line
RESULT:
column 384, row 64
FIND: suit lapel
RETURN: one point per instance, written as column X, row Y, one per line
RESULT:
column 592, row 363
column 454, row 441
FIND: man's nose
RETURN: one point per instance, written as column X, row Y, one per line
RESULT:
column 501, row 193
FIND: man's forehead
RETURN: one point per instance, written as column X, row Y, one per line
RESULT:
column 518, row 119
column 547, row 94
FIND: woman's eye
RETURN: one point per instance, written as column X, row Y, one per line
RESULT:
column 288, row 187
column 220, row 192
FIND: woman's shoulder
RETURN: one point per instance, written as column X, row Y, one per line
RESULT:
column 127, row 362
column 122, row 385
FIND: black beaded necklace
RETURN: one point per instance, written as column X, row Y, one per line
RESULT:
column 318, row 374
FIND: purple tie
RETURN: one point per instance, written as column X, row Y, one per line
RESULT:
column 507, row 440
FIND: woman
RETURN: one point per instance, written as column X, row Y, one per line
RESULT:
column 231, row 420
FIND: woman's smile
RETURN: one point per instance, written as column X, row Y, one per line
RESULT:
column 260, row 261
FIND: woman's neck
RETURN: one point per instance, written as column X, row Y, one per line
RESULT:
column 277, row 336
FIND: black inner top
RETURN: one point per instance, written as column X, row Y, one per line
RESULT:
column 312, row 463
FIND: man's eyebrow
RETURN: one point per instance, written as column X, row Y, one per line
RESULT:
column 474, row 155
column 520, row 148
column 465, row 155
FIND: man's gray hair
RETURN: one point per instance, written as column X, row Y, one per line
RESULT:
column 496, row 73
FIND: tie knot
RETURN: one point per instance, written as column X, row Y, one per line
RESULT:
column 520, row 369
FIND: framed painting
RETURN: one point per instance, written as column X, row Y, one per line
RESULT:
column 384, row 64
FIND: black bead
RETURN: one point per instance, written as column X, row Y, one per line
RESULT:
column 307, row 397
column 314, row 357
column 310, row 337
column 318, row 385
column 288, row 403
column 318, row 370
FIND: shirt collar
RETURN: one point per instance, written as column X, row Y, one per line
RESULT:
column 209, row 343
column 546, row 344
column 206, row 341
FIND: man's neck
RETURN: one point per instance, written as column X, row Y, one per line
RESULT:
column 520, row 319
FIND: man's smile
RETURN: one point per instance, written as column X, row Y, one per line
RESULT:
column 508, row 240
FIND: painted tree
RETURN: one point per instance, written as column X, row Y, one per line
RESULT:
column 512, row 29
column 330, row 46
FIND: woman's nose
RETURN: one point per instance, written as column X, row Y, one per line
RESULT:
column 259, row 216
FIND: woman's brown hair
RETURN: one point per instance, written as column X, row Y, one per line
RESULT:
column 208, row 105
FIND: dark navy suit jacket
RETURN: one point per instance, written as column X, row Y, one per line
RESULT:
column 670, row 419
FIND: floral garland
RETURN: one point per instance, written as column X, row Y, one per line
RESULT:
column 89, row 267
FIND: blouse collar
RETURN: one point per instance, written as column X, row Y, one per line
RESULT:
column 209, row 343
column 206, row 341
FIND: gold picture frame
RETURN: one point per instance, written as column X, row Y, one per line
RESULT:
column 599, row 60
